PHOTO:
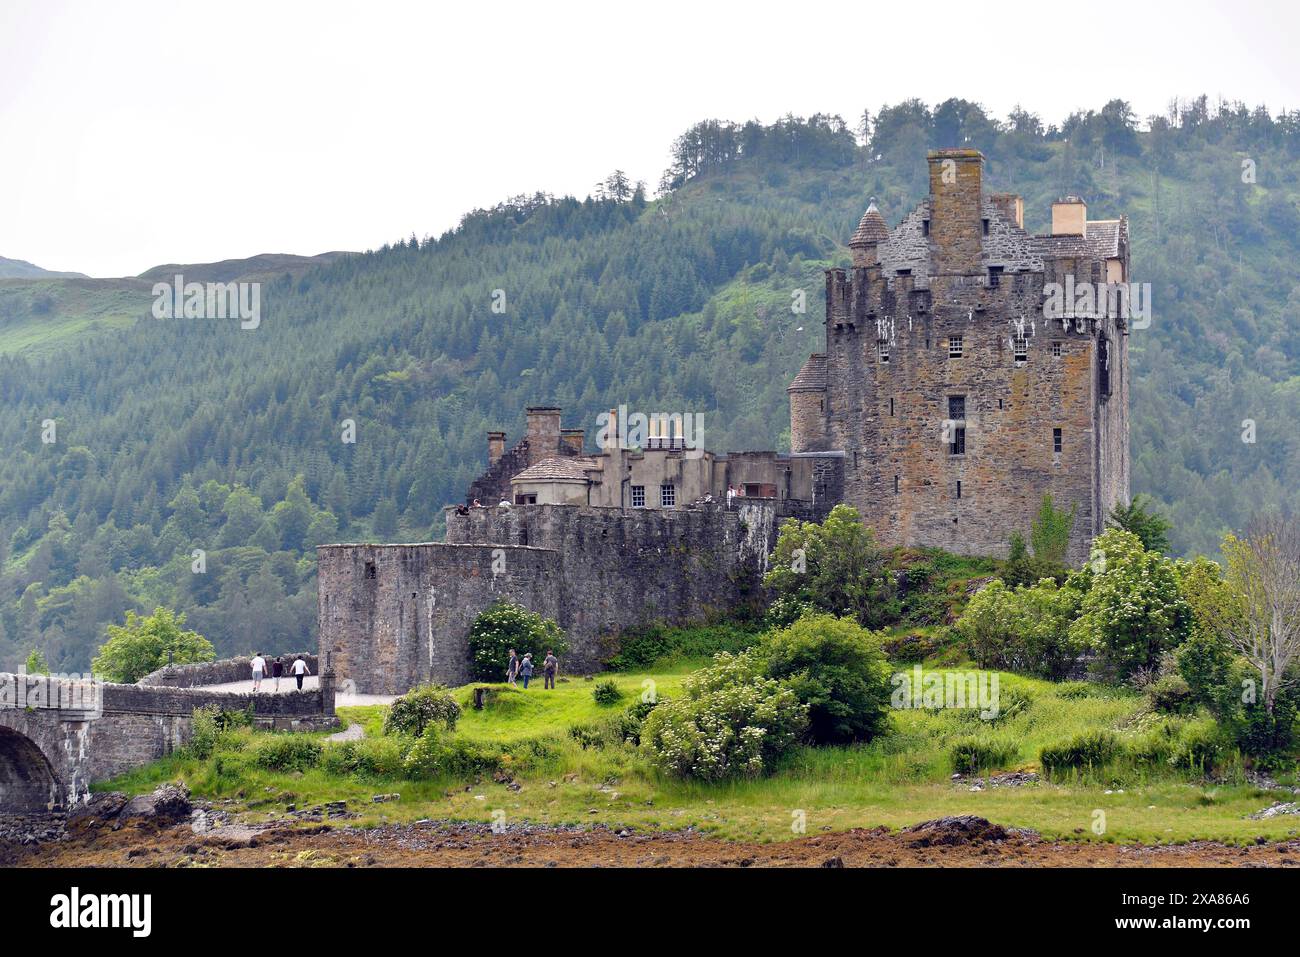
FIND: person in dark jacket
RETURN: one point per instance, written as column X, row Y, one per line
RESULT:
column 550, row 665
column 526, row 668
column 512, row 667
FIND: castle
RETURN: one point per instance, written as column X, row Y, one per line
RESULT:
column 958, row 398
column 949, row 400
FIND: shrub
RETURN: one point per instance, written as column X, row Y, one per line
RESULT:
column 835, row 566
column 1134, row 610
column 837, row 670
column 1199, row 747
column 420, row 707
column 287, row 752
column 1089, row 750
column 910, row 648
column 632, row 719
column 732, row 722
column 1025, row 630
column 425, row 759
column 642, row 647
column 785, row 610
column 204, row 732
column 606, row 692
column 974, row 754
column 504, row 626
column 1170, row 694
column 367, row 757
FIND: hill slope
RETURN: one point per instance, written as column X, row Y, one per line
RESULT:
column 189, row 434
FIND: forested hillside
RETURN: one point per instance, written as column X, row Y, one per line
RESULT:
column 193, row 434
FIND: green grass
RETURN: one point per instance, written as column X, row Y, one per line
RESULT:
column 898, row 779
column 39, row 317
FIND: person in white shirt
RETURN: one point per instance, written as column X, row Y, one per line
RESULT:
column 300, row 670
column 259, row 669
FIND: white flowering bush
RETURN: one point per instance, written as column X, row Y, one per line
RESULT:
column 1134, row 609
column 733, row 722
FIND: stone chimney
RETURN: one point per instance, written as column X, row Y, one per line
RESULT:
column 1011, row 207
column 1070, row 217
column 496, row 447
column 956, row 217
column 572, row 439
column 543, row 433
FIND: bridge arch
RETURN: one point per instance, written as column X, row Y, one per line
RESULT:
column 28, row 782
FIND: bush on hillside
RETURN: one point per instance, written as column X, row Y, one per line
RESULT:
column 421, row 707
column 504, row 626
column 981, row 753
column 836, row 669
column 732, row 722
column 606, row 692
column 1089, row 751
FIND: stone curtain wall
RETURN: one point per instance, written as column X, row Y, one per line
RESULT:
column 397, row 615
column 394, row 616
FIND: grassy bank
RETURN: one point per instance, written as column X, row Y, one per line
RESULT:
column 898, row 779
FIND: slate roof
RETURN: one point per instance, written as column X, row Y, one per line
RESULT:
column 1102, row 241
column 872, row 228
column 570, row 468
column 812, row 377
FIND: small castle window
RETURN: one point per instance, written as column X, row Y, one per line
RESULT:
column 959, row 488
column 667, row 495
column 954, row 347
column 891, row 405
column 371, row 572
column 956, row 425
column 1021, row 347
column 1056, row 349
column 995, row 276
column 895, row 484
column 925, row 227
column 638, row 496
column 1056, row 441
column 903, row 272
column 985, row 224
column 884, row 352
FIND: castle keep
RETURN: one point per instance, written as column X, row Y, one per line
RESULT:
column 957, row 403
column 949, row 400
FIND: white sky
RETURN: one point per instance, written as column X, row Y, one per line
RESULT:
column 139, row 133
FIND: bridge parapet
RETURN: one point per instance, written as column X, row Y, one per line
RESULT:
column 58, row 734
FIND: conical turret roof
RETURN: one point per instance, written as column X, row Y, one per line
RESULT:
column 871, row 229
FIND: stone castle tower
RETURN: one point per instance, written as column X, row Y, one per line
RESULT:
column 957, row 397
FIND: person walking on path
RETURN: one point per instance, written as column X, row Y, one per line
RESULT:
column 526, row 668
column 300, row 670
column 512, row 668
column 550, row 665
column 259, row 669
column 277, row 669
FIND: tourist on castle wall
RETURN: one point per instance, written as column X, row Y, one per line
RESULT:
column 277, row 669
column 259, row 669
column 300, row 671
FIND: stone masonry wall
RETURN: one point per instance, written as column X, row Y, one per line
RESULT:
column 397, row 615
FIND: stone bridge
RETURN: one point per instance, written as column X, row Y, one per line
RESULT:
column 58, row 735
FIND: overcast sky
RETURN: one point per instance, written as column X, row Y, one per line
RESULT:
column 134, row 133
